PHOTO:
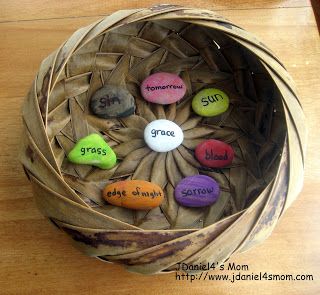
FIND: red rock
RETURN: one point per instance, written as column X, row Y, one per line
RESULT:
column 214, row 153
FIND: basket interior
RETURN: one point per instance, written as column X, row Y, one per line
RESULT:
column 254, row 124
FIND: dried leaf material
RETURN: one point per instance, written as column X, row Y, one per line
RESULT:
column 268, row 153
column 141, row 48
column 248, row 127
column 154, row 256
column 79, row 126
column 189, row 218
column 219, row 120
column 34, row 161
column 195, row 36
column 125, row 148
column 154, row 32
column 184, row 166
column 178, row 46
column 104, row 241
column 113, row 42
column 95, row 84
column 120, row 213
column 139, row 216
column 77, row 85
column 143, row 171
column 71, row 212
column 92, row 46
column 226, row 134
column 144, row 110
column 143, row 69
column 125, row 134
column 117, row 76
column 44, row 77
column 65, row 143
column 171, row 112
column 188, row 157
column 198, row 132
column 174, row 174
column 131, row 162
column 158, row 173
column 57, row 96
column 177, row 65
column 293, row 106
column 158, row 111
column 58, row 119
column 88, row 189
column 186, row 78
column 82, row 101
column 83, row 170
column 220, row 177
column 134, row 121
column 264, row 121
column 250, row 156
column 275, row 194
column 58, row 152
column 226, row 243
column 107, row 61
column 191, row 123
column 154, row 220
column 34, row 122
column 191, row 143
column 98, row 174
column 208, row 77
column 254, row 189
column 215, row 59
column 265, row 88
column 238, row 180
column 68, row 168
column 169, row 205
column 245, row 84
column 183, row 111
column 216, row 210
column 268, row 58
column 235, row 57
column 102, row 124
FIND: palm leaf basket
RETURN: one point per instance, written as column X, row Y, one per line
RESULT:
column 264, row 124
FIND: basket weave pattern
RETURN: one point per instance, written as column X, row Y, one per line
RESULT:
column 264, row 124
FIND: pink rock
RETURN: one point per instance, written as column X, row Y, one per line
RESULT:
column 163, row 88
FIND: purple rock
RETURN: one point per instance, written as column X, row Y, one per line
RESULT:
column 197, row 191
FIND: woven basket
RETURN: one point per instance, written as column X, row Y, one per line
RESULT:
column 264, row 124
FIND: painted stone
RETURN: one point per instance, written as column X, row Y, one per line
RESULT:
column 163, row 135
column 93, row 150
column 134, row 194
column 210, row 102
column 163, row 88
column 214, row 153
column 112, row 102
column 197, row 191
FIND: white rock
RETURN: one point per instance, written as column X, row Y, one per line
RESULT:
column 163, row 135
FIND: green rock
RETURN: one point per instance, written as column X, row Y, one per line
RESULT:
column 210, row 102
column 93, row 150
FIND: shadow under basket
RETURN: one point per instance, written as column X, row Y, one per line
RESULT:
column 264, row 124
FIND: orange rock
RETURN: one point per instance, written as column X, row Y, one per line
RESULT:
column 134, row 194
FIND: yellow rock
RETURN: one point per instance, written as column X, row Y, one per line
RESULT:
column 210, row 102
